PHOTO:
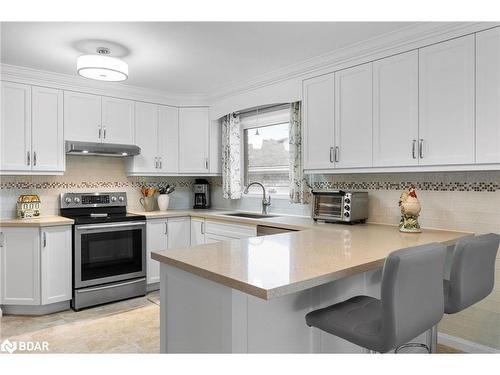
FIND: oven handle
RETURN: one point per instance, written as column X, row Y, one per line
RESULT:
column 106, row 226
column 86, row 290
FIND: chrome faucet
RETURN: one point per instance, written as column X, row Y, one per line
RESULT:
column 266, row 202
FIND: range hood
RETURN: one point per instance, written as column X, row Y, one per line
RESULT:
column 101, row 149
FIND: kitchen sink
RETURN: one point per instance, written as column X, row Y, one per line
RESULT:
column 249, row 215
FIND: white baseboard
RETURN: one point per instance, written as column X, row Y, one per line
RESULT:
column 465, row 346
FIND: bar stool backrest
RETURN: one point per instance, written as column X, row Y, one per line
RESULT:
column 472, row 273
column 412, row 292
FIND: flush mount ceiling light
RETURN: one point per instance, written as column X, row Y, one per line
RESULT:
column 102, row 67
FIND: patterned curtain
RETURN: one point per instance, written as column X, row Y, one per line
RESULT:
column 231, row 159
column 300, row 191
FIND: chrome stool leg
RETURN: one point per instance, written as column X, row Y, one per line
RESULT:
column 432, row 335
column 412, row 345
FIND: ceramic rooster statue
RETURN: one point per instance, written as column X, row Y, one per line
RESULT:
column 410, row 209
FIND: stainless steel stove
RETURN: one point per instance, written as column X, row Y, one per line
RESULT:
column 109, row 248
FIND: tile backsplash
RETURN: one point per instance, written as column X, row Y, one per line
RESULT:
column 466, row 201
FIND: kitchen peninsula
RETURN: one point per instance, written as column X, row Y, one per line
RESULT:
column 250, row 295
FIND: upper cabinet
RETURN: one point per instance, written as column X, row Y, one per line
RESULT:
column 318, row 120
column 353, row 117
column 117, row 121
column 168, row 139
column 31, row 130
column 82, row 117
column 395, row 110
column 15, row 127
column 446, row 93
column 488, row 96
column 194, row 140
column 92, row 118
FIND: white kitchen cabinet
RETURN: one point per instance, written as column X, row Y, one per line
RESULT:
column 168, row 139
column 446, row 98
column 56, row 264
column 47, row 130
column 20, row 262
column 395, row 110
column 215, row 147
column 82, row 117
column 118, row 119
column 15, row 127
column 197, row 231
column 146, row 137
column 193, row 140
column 229, row 230
column 213, row 238
column 156, row 240
column 488, row 96
column 179, row 232
column 318, row 122
column 353, row 117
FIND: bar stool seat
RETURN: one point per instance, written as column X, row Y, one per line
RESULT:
column 411, row 302
column 358, row 320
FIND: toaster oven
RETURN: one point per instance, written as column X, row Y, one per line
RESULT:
column 340, row 206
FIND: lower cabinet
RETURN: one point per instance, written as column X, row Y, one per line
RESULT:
column 35, row 265
column 162, row 234
column 216, row 231
column 197, row 231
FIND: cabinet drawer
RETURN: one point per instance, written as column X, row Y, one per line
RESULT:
column 230, row 230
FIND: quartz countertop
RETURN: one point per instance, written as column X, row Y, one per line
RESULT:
column 42, row 221
column 276, row 265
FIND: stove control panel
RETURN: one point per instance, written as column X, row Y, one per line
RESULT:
column 82, row 200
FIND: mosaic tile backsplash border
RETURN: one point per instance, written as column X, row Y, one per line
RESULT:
column 481, row 186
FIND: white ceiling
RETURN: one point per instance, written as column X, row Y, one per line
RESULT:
column 183, row 57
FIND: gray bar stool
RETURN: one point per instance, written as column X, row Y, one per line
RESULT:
column 472, row 276
column 412, row 302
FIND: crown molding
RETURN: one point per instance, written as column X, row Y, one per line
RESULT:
column 21, row 74
column 414, row 36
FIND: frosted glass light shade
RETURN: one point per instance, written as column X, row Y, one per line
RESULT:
column 102, row 68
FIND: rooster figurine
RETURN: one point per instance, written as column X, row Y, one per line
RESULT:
column 410, row 209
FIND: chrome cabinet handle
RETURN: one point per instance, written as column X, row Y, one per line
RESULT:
column 104, row 133
column 202, row 227
column 34, row 158
column 421, row 148
column 331, row 154
column 166, row 228
column 28, row 159
column 413, row 147
column 161, row 163
column 156, row 163
column 44, row 239
column 206, row 163
column 337, row 154
column 2, row 243
column 99, row 132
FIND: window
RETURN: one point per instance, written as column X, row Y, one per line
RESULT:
column 266, row 150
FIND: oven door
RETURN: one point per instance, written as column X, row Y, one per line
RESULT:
column 328, row 206
column 106, row 253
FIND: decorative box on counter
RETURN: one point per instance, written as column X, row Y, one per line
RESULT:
column 28, row 206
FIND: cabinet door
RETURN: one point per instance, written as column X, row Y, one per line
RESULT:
column 146, row 137
column 318, row 122
column 20, row 261
column 197, row 231
column 446, row 93
column 168, row 139
column 156, row 240
column 353, row 117
column 48, row 138
column 82, row 117
column 15, row 127
column 395, row 110
column 56, row 264
column 488, row 96
column 193, row 140
column 215, row 150
column 118, row 121
column 179, row 232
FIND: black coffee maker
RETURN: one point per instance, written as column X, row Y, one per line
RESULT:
column 201, row 194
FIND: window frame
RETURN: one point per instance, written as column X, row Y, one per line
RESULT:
column 246, row 125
